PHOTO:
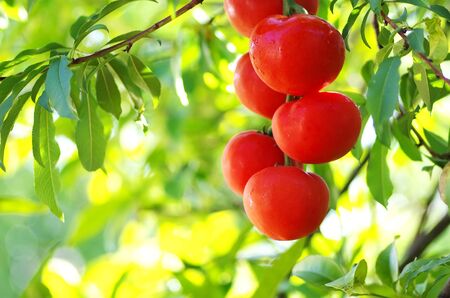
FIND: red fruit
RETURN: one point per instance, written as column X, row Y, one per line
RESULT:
column 318, row 128
column 286, row 203
column 246, row 154
column 244, row 15
column 296, row 55
column 254, row 93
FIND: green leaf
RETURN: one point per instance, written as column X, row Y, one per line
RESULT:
column 122, row 72
column 89, row 136
column 382, row 93
column 363, row 28
column 46, row 177
column 416, row 39
column 437, row 143
column 108, row 95
column 7, row 104
column 325, row 171
column 387, row 265
column 384, row 38
column 406, row 143
column 378, row 179
column 357, row 98
column 44, row 102
column 30, row 52
column 354, row 278
column 280, row 268
column 368, row 70
column 57, row 86
column 384, row 53
column 35, row 136
column 437, row 39
column 9, row 124
column 354, row 14
column 357, row 150
column 317, row 270
column 444, row 185
column 332, row 4
column 123, row 37
column 20, row 206
column 144, row 77
column 408, row 89
column 84, row 23
column 375, row 5
column 440, row 11
column 83, row 35
column 37, row 86
column 7, row 85
column 437, row 9
column 415, row 268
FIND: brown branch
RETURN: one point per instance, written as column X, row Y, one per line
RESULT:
column 353, row 175
column 445, row 293
column 422, row 241
column 376, row 27
column 422, row 56
column 422, row 142
column 128, row 43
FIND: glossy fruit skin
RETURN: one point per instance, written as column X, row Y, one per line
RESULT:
column 296, row 55
column 319, row 128
column 254, row 93
column 246, row 154
column 286, row 203
column 244, row 15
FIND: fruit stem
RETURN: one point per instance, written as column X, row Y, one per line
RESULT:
column 288, row 161
column 291, row 7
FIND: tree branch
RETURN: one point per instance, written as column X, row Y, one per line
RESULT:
column 445, row 156
column 422, row 241
column 128, row 43
column 445, row 293
column 376, row 27
column 422, row 56
column 353, row 175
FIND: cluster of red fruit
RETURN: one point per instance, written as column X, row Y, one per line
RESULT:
column 290, row 58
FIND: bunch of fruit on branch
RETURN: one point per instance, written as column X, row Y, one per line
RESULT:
column 291, row 58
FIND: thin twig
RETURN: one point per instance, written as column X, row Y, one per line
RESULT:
column 354, row 174
column 445, row 293
column 128, row 43
column 376, row 27
column 423, row 218
column 421, row 242
column 422, row 56
column 422, row 142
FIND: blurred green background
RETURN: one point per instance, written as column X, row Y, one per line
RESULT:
column 160, row 221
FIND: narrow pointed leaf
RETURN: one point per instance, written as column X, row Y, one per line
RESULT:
column 382, row 94
column 318, row 269
column 144, row 77
column 108, row 95
column 387, row 265
column 378, row 177
column 355, row 277
column 57, row 87
column 9, row 123
column 89, row 136
column 280, row 268
column 46, row 177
